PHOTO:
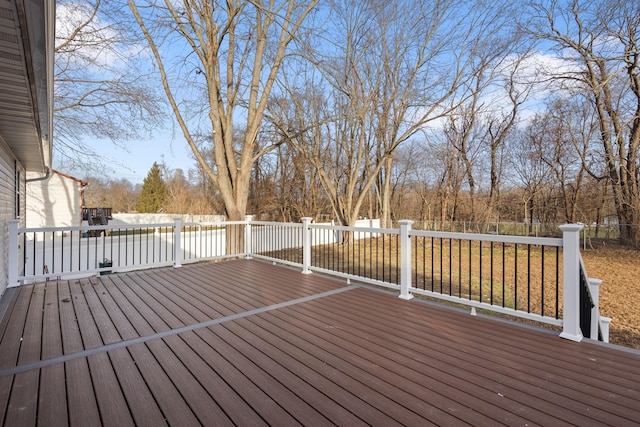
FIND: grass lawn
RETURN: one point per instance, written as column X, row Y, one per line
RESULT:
column 619, row 270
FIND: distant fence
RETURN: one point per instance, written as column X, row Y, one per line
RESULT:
column 147, row 218
column 590, row 231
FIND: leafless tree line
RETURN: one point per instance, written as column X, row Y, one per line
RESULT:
column 448, row 110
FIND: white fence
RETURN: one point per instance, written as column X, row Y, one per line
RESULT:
column 124, row 219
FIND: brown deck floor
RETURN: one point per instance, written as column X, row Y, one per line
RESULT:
column 249, row 343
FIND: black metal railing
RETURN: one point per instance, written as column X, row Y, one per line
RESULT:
column 586, row 304
column 365, row 253
column 277, row 241
column 513, row 275
column 67, row 250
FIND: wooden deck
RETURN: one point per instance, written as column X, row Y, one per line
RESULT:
column 249, row 343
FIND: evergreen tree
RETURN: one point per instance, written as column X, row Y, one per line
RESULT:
column 153, row 193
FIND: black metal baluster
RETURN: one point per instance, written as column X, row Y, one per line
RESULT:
column 480, row 298
column 53, row 252
column 557, row 281
column 515, row 278
column 542, row 280
column 470, row 271
column 441, row 268
column 459, row 268
column 433, row 254
column 450, row 268
column 491, row 273
column 529, row 278
column 503, row 275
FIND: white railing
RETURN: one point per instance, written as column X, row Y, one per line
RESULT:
column 68, row 252
column 469, row 269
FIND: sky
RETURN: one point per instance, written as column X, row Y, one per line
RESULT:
column 130, row 159
column 168, row 146
column 135, row 162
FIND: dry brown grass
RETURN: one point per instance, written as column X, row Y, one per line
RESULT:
column 619, row 270
column 458, row 268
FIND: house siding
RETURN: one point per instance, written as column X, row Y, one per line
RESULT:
column 54, row 202
column 8, row 201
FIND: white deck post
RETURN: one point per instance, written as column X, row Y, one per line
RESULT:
column 177, row 243
column 594, row 289
column 248, row 250
column 306, row 245
column 571, row 282
column 405, row 259
column 604, row 326
column 12, row 256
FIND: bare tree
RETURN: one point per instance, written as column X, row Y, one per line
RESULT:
column 101, row 89
column 388, row 70
column 529, row 173
column 600, row 42
column 500, row 123
column 123, row 195
column 225, row 55
column 120, row 195
column 565, row 133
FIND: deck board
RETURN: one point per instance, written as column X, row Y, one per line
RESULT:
column 69, row 327
column 269, row 397
column 448, row 377
column 83, row 406
column 154, row 287
column 254, row 354
column 12, row 338
column 135, row 390
column 102, row 314
column 137, row 283
column 10, row 302
column 131, row 318
column 109, row 395
column 51, row 330
column 391, row 391
column 164, row 391
column 295, row 383
column 31, row 340
column 188, row 347
column 192, row 391
column 52, row 397
column 5, row 393
column 336, row 402
column 23, row 403
column 120, row 321
column 89, row 330
column 516, row 373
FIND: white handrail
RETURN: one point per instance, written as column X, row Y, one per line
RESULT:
column 183, row 242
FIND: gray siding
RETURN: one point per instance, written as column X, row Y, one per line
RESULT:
column 8, row 205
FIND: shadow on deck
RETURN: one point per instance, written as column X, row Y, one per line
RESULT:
column 246, row 342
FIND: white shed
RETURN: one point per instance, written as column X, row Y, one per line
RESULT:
column 55, row 202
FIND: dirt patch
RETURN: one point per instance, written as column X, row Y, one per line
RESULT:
column 619, row 270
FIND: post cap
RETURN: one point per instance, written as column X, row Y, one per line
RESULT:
column 571, row 227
